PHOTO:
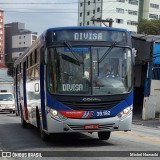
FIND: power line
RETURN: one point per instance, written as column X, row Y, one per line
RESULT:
column 39, row 9
column 61, row 11
column 54, row 2
column 52, row 12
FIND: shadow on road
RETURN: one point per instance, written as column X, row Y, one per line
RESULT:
column 14, row 137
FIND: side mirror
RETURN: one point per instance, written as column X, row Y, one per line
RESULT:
column 134, row 54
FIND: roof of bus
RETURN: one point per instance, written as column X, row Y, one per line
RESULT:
column 86, row 27
column 71, row 28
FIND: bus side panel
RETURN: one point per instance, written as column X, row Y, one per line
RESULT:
column 42, row 94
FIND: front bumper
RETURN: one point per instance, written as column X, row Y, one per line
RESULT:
column 77, row 125
column 7, row 108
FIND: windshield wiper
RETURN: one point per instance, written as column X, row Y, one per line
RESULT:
column 70, row 48
column 107, row 52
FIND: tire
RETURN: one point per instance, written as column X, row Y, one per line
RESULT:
column 104, row 135
column 23, row 122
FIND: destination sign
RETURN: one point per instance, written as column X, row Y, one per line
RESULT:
column 72, row 87
column 89, row 35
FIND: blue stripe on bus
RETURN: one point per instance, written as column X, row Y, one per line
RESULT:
column 53, row 103
column 42, row 96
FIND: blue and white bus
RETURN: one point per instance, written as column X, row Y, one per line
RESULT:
column 60, row 88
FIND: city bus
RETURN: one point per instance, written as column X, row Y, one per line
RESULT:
column 59, row 86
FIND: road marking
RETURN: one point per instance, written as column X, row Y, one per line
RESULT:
column 139, row 136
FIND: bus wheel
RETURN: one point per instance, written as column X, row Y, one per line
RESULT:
column 23, row 122
column 104, row 135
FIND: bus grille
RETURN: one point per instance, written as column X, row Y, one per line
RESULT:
column 101, row 127
column 91, row 105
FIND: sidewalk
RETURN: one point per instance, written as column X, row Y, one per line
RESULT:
column 137, row 120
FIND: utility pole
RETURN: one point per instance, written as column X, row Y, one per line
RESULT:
column 110, row 21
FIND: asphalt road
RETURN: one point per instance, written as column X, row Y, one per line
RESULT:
column 14, row 138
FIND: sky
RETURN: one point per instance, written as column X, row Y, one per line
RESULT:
column 38, row 15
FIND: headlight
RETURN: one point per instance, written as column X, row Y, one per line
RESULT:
column 125, row 112
column 56, row 115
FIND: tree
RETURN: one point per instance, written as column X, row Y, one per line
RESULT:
column 149, row 27
column 10, row 65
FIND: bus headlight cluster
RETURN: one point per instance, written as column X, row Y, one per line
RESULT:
column 57, row 115
column 125, row 112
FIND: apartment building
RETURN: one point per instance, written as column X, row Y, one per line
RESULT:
column 149, row 9
column 2, row 55
column 21, row 42
column 17, row 39
column 123, row 12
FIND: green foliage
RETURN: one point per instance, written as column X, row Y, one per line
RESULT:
column 10, row 65
column 149, row 27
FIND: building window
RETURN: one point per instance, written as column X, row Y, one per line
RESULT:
column 34, row 37
column 19, row 37
column 88, row 23
column 93, row 11
column 30, row 60
column 24, row 42
column 153, row 16
column 24, row 36
column 1, row 32
column 134, row 2
column 119, row 21
column 88, row 13
column 27, row 62
column 98, row 9
column 35, row 56
column 135, row 13
column 156, row 6
column 20, row 67
column 80, row 24
column 132, row 23
column 89, row 3
column 80, row 14
column 81, row 4
column 119, row 10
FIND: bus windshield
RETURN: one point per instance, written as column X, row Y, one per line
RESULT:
column 89, row 70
